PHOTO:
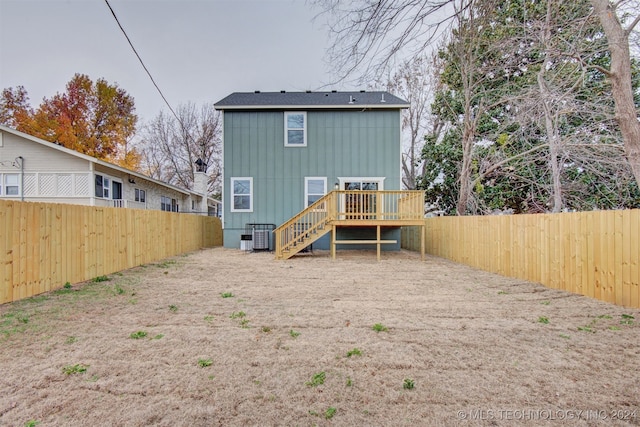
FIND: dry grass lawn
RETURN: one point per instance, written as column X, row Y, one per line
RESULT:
column 231, row 338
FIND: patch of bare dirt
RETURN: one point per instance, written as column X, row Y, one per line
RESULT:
column 479, row 349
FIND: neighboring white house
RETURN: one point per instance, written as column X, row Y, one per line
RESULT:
column 32, row 169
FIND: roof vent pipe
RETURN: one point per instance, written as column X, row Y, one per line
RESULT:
column 382, row 100
column 351, row 100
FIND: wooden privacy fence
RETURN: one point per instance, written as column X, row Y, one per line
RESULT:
column 596, row 254
column 45, row 245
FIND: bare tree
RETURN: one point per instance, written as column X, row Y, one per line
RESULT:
column 619, row 73
column 172, row 145
column 367, row 36
column 415, row 81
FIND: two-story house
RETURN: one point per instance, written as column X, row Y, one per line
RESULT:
column 305, row 162
column 32, row 169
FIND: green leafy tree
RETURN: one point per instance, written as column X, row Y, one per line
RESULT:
column 529, row 99
column 527, row 104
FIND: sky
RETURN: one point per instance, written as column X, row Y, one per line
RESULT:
column 197, row 51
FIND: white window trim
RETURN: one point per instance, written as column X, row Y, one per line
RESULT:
column 306, row 187
column 140, row 192
column 4, row 185
column 342, row 180
column 111, row 181
column 171, row 202
column 304, row 129
column 379, row 180
column 233, row 194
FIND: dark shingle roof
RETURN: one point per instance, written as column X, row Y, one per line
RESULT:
column 310, row 100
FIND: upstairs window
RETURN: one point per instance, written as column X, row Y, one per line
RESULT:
column 295, row 129
column 242, row 194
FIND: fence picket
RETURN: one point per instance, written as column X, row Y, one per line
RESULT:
column 596, row 254
column 44, row 245
column 6, row 249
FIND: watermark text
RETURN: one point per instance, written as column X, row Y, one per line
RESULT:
column 548, row 414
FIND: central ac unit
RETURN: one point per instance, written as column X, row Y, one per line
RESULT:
column 261, row 240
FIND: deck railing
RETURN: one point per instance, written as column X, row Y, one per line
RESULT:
column 347, row 207
column 379, row 205
column 119, row 203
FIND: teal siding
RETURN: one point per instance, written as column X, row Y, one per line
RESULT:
column 339, row 144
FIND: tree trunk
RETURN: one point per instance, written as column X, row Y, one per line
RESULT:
column 550, row 123
column 466, row 189
column 620, row 77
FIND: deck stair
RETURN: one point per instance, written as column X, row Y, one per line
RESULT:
column 303, row 229
column 342, row 208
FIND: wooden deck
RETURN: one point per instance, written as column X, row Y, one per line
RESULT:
column 341, row 208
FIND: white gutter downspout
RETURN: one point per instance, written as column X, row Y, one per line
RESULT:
column 21, row 177
column 222, row 192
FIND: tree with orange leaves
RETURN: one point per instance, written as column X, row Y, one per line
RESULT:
column 97, row 119
column 15, row 110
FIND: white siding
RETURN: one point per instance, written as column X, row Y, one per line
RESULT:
column 38, row 157
column 51, row 175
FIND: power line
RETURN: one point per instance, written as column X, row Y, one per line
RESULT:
column 142, row 63
column 187, row 133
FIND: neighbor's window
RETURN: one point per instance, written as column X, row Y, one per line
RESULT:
column 168, row 204
column 314, row 189
column 165, row 203
column 108, row 188
column 102, row 186
column 295, row 129
column 12, row 184
column 141, row 196
column 242, row 194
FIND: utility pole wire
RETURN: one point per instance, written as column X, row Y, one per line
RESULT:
column 142, row 62
column 184, row 129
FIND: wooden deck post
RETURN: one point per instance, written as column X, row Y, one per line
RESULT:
column 423, row 232
column 333, row 241
column 378, row 240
